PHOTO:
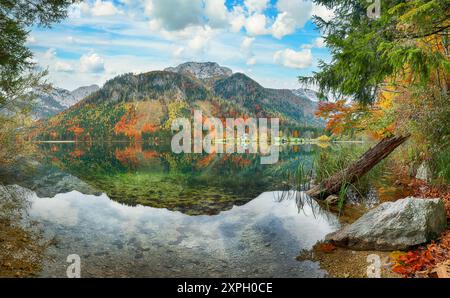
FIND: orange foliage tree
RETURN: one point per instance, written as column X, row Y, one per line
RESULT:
column 77, row 131
column 127, row 126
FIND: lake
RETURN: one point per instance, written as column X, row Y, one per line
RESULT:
column 138, row 210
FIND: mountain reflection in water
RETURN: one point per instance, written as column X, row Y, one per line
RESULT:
column 142, row 211
column 259, row 239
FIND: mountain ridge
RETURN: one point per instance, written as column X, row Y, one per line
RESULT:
column 130, row 105
column 201, row 70
column 54, row 100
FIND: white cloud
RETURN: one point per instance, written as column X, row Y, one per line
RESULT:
column 92, row 63
column 246, row 48
column 99, row 8
column 78, row 8
column 292, row 15
column 31, row 39
column 237, row 18
column 216, row 13
column 103, row 8
column 256, row 5
column 198, row 43
column 251, row 61
column 317, row 43
column 193, row 39
column 50, row 54
column 153, row 34
column 62, row 66
column 323, row 12
column 284, row 25
column 174, row 15
column 294, row 59
column 247, row 42
column 256, row 24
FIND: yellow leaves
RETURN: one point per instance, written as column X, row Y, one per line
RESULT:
column 175, row 109
column 386, row 99
column 395, row 255
column 323, row 138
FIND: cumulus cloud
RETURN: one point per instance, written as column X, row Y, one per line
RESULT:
column 217, row 13
column 174, row 15
column 92, row 62
column 190, row 42
column 103, row 8
column 256, row 24
column 98, row 8
column 317, row 43
column 292, row 15
column 294, row 59
column 256, row 5
column 323, row 12
column 177, row 15
column 198, row 43
column 165, row 32
column 237, row 18
column 62, row 66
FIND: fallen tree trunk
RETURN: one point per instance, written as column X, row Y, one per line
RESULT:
column 358, row 168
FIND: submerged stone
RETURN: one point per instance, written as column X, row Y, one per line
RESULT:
column 394, row 226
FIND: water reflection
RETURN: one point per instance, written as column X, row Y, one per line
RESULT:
column 137, row 210
column 140, row 174
column 259, row 239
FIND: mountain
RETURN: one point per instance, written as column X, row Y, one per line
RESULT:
column 131, row 106
column 243, row 91
column 82, row 92
column 306, row 93
column 201, row 71
column 52, row 101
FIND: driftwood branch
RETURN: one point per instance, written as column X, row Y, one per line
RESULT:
column 358, row 168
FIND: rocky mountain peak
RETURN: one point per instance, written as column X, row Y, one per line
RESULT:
column 202, row 70
column 306, row 93
column 83, row 92
column 51, row 101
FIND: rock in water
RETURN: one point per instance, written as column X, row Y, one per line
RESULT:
column 394, row 226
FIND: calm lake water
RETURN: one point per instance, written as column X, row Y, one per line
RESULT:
column 142, row 211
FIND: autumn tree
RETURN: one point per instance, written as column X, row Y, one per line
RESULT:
column 18, row 74
column 77, row 131
column 368, row 52
column 404, row 49
column 17, row 71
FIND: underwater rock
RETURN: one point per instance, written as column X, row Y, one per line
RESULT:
column 394, row 226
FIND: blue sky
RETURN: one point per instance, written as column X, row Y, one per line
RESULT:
column 272, row 41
